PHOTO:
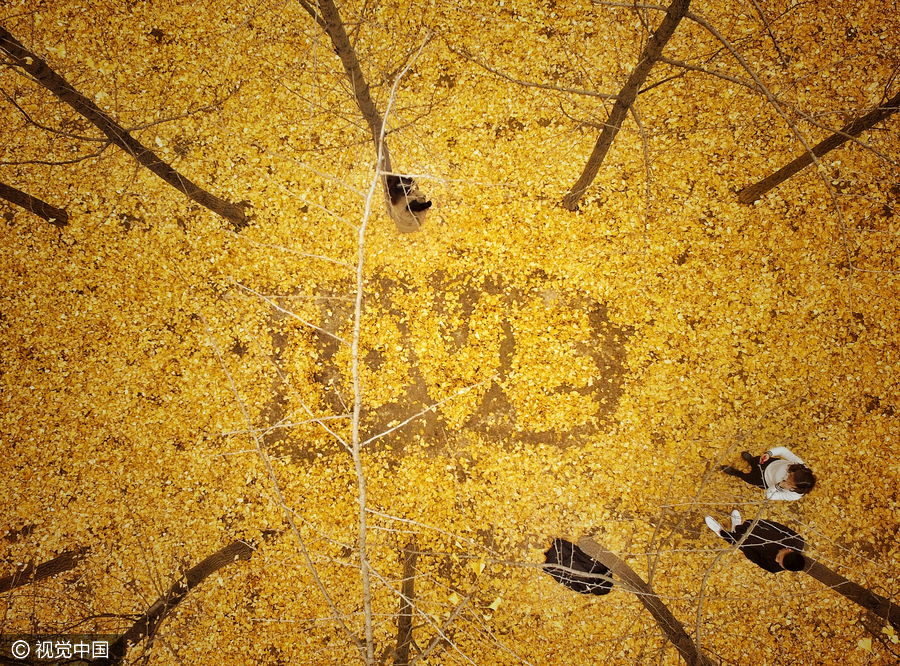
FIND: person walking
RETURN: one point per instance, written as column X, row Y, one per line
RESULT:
column 770, row 545
column 782, row 474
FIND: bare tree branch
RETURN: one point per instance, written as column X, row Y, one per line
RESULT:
column 671, row 627
column 74, row 160
column 805, row 116
column 157, row 613
column 762, row 16
column 56, row 84
column 41, row 126
column 330, row 20
column 288, row 512
column 710, row 72
column 32, row 574
column 55, row 216
column 625, row 99
column 407, row 595
column 750, row 194
column 462, row 53
column 880, row 606
column 442, row 632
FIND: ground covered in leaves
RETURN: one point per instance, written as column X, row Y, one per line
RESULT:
column 527, row 373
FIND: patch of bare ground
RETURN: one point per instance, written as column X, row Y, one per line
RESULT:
column 495, row 417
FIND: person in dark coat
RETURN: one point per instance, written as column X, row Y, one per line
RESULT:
column 567, row 554
column 770, row 545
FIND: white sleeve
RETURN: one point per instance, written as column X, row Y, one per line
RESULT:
column 781, row 495
column 783, row 452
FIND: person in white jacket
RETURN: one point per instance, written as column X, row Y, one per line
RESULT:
column 782, row 474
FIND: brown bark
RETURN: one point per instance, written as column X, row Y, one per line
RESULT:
column 670, row 626
column 625, row 99
column 150, row 621
column 753, row 192
column 56, row 84
column 55, row 216
column 32, row 574
column 334, row 26
column 880, row 606
column 408, row 593
column 328, row 17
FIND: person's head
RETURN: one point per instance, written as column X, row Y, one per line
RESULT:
column 790, row 559
column 800, row 479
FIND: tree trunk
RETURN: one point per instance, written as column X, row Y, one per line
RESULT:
column 154, row 616
column 334, row 26
column 625, row 99
column 56, row 84
column 31, row 574
column 55, row 216
column 408, row 592
column 753, row 192
column 328, row 17
column 670, row 626
column 883, row 608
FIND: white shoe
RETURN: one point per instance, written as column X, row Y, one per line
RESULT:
column 735, row 519
column 713, row 525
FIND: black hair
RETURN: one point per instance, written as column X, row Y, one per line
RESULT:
column 793, row 561
column 418, row 206
column 399, row 187
column 408, row 205
column 804, row 479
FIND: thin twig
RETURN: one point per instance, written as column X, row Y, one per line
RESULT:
column 527, row 84
column 648, row 172
column 427, row 409
column 762, row 16
column 246, row 239
column 74, row 160
column 288, row 513
column 287, row 312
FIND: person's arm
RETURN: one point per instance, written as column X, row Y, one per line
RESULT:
column 782, row 495
column 784, row 452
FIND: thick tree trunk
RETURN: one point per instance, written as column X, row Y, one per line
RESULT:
column 56, row 84
column 149, row 622
column 55, row 216
column 32, row 574
column 625, row 99
column 883, row 608
column 670, row 626
column 753, row 192
column 408, row 592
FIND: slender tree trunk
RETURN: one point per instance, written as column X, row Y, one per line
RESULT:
column 408, row 592
column 327, row 16
column 55, row 216
column 334, row 26
column 56, row 84
column 753, row 192
column 625, row 99
column 883, row 608
column 150, row 621
column 670, row 626
column 32, row 574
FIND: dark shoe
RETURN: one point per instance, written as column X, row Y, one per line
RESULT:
column 746, row 456
column 730, row 471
